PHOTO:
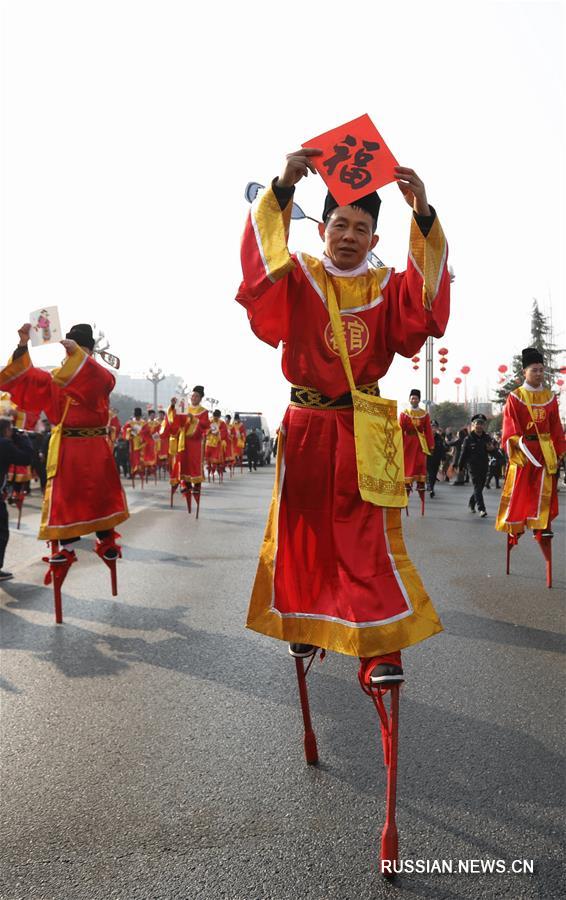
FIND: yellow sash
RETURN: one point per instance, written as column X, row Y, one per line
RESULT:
column 55, row 444
column 421, row 436
column 377, row 435
column 546, row 445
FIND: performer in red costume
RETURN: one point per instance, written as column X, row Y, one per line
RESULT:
column 163, row 445
column 231, row 437
column 216, row 445
column 150, row 438
column 240, row 439
column 333, row 569
column 534, row 441
column 418, row 442
column 133, row 432
column 190, row 429
column 83, row 492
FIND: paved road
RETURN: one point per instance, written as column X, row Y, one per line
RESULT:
column 152, row 746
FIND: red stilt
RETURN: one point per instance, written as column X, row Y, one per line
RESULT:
column 311, row 751
column 56, row 574
column 197, row 498
column 389, row 724
column 100, row 548
column 422, row 496
column 545, row 544
column 173, row 489
column 188, row 492
column 509, row 547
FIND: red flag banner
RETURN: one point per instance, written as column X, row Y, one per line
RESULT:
column 355, row 160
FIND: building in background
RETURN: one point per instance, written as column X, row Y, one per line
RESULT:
column 139, row 387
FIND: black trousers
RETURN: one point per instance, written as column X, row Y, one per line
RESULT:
column 100, row 535
column 478, row 481
column 252, row 459
column 4, row 531
column 432, row 467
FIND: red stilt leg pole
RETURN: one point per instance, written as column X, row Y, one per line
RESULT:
column 390, row 738
column 173, row 489
column 56, row 574
column 197, row 498
column 422, row 496
column 101, row 547
column 311, row 751
column 546, row 547
column 509, row 546
column 188, row 497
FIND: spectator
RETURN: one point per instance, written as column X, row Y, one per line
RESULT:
column 15, row 450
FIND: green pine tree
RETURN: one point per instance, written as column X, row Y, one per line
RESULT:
column 540, row 339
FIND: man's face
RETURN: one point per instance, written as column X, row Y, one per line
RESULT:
column 478, row 426
column 534, row 374
column 151, row 416
column 348, row 236
column 195, row 398
column 414, row 401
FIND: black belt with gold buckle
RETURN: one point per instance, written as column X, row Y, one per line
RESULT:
column 85, row 432
column 312, row 399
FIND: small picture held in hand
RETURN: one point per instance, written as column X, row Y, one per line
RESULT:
column 45, row 326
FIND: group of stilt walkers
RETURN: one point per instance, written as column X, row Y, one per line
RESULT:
column 333, row 572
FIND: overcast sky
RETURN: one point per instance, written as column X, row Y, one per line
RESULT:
column 130, row 128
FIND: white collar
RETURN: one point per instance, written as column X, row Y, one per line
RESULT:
column 362, row 269
column 529, row 387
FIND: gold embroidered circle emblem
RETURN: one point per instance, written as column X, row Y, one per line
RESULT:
column 356, row 335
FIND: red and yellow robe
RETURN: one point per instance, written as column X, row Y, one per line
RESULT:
column 333, row 569
column 533, row 440
column 150, row 438
column 230, row 453
column 83, row 492
column 163, row 446
column 418, row 443
column 215, row 451
column 191, row 428
column 133, row 432
column 114, row 429
column 239, row 431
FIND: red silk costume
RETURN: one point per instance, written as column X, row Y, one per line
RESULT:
column 215, row 452
column 133, row 432
column 239, row 439
column 417, row 434
column 529, row 497
column 190, row 430
column 150, row 438
column 333, row 569
column 83, row 492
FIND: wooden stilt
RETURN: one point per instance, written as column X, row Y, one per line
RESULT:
column 311, row 750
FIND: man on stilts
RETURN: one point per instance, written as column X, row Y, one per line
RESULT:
column 333, row 570
column 190, row 429
column 83, row 492
column 534, row 441
column 418, row 444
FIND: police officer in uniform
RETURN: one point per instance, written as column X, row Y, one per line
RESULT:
column 475, row 454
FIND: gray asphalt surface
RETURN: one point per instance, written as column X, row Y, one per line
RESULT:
column 152, row 747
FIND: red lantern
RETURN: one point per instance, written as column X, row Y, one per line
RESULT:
column 415, row 367
column 443, row 368
column 502, row 369
column 415, row 359
column 562, row 370
column 443, row 360
column 457, row 381
column 437, row 381
column 443, row 351
column 559, row 382
column 465, row 370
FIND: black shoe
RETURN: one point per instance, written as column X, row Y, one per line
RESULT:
column 302, row 651
column 432, row 493
column 472, row 509
column 483, row 514
column 5, row 576
column 386, row 673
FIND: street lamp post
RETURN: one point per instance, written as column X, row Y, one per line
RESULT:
column 183, row 391
column 212, row 402
column 155, row 375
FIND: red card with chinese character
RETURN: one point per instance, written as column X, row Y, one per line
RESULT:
column 355, row 160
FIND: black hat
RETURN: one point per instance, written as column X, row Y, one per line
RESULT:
column 479, row 417
column 216, row 413
column 531, row 355
column 150, row 411
column 137, row 411
column 370, row 203
column 198, row 389
column 83, row 335
column 416, row 392
column 236, row 417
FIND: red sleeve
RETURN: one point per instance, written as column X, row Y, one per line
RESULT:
column 405, row 422
column 31, row 389
column 556, row 429
column 419, row 298
column 511, row 426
